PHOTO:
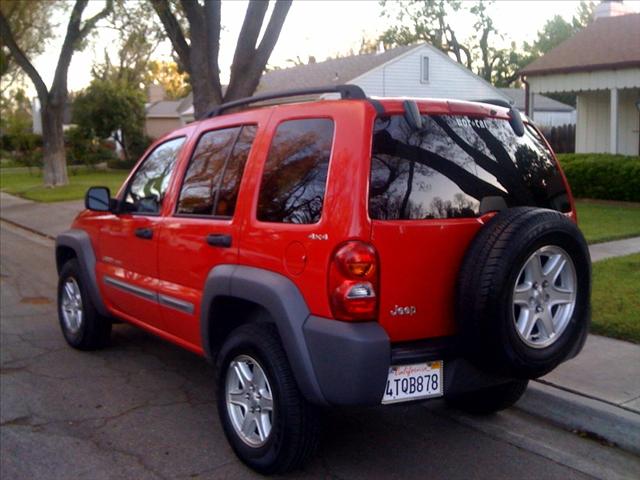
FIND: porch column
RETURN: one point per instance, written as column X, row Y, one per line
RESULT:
column 613, row 122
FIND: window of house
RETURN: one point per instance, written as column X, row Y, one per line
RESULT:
column 146, row 190
column 295, row 172
column 424, row 69
column 212, row 181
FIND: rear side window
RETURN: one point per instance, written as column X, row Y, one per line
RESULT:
column 456, row 165
column 212, row 180
column 295, row 172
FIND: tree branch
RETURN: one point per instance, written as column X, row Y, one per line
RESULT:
column 22, row 60
column 174, row 31
column 213, row 15
column 272, row 32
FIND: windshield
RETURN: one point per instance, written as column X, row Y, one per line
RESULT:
column 459, row 166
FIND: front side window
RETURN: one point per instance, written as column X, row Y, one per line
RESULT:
column 212, row 180
column 454, row 164
column 295, row 172
column 149, row 184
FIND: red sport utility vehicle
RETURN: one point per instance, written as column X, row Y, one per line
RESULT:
column 346, row 251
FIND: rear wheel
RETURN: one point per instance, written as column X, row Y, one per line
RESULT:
column 268, row 423
column 489, row 400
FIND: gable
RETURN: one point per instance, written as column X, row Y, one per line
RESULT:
column 401, row 77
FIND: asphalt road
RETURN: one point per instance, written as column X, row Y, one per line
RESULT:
column 144, row 409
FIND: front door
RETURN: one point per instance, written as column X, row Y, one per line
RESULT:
column 127, row 267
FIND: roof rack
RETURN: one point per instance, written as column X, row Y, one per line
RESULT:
column 345, row 91
column 495, row 101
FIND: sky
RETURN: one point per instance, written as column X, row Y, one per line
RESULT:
column 321, row 28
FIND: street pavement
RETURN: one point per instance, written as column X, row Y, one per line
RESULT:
column 144, row 409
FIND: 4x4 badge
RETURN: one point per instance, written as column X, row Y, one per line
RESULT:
column 408, row 310
column 318, row 236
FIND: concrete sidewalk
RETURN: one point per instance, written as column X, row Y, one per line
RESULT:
column 596, row 393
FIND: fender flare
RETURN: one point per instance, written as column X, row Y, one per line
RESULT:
column 281, row 299
column 80, row 242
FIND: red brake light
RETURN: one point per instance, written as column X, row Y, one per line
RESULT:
column 353, row 282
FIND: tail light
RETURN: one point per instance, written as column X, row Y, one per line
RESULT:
column 353, row 282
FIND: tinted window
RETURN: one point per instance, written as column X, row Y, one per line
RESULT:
column 149, row 184
column 212, row 180
column 455, row 163
column 295, row 172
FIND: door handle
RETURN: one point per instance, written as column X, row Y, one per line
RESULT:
column 219, row 240
column 144, row 233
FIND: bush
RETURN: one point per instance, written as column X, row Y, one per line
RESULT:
column 83, row 149
column 603, row 176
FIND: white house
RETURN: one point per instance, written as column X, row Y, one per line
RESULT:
column 601, row 64
column 408, row 71
column 548, row 112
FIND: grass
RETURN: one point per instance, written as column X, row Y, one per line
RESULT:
column 30, row 185
column 601, row 221
column 616, row 298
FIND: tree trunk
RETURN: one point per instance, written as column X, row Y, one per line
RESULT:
column 54, row 164
column 204, row 95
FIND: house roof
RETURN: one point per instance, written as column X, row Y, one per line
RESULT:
column 606, row 44
column 163, row 109
column 540, row 102
column 334, row 71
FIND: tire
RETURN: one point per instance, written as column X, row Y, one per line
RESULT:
column 489, row 400
column 89, row 330
column 294, row 423
column 502, row 284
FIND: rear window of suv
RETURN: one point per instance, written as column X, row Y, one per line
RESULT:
column 455, row 165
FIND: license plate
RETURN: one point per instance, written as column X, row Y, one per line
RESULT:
column 413, row 382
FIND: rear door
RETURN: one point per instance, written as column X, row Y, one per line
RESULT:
column 203, row 230
column 428, row 191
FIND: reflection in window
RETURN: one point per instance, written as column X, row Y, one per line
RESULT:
column 295, row 172
column 212, row 180
column 454, row 164
column 149, row 184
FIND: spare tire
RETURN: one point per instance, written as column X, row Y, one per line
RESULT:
column 523, row 293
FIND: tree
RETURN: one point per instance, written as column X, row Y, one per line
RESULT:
column 139, row 34
column 110, row 108
column 53, row 100
column 31, row 27
column 197, row 47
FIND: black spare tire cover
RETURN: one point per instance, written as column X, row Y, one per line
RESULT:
column 523, row 293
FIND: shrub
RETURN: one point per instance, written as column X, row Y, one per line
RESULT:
column 83, row 149
column 603, row 176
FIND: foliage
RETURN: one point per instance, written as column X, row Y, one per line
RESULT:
column 139, row 34
column 615, row 298
column 110, row 108
column 30, row 185
column 84, row 149
column 603, row 176
column 168, row 75
column 31, row 27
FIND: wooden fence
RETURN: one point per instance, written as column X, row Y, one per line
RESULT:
column 561, row 138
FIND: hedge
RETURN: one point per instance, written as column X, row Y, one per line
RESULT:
column 602, row 176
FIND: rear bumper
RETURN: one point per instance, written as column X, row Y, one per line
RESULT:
column 351, row 361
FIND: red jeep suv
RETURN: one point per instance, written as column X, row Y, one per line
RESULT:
column 344, row 251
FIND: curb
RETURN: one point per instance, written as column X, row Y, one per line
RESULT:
column 583, row 415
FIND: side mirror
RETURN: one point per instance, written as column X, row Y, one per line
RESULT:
column 412, row 114
column 98, row 199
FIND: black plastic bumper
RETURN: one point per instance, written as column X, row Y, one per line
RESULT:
column 351, row 361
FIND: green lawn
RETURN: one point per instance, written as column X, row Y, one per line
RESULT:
column 30, row 185
column 604, row 221
column 616, row 298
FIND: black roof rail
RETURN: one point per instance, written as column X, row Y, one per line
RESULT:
column 495, row 101
column 345, row 91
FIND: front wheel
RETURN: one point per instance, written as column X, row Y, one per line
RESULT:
column 269, row 425
column 489, row 400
